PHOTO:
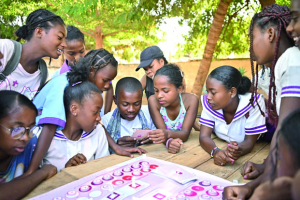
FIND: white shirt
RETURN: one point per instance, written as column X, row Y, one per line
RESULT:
column 128, row 127
column 246, row 121
column 92, row 145
column 287, row 75
column 264, row 80
column 19, row 80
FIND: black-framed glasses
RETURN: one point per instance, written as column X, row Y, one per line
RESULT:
column 18, row 132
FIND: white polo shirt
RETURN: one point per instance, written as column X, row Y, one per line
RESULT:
column 246, row 121
column 92, row 145
column 287, row 75
column 128, row 127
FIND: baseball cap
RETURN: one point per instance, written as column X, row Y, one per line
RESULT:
column 148, row 55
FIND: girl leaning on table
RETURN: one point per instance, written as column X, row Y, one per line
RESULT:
column 83, row 138
column 173, row 111
column 17, row 143
column 231, row 113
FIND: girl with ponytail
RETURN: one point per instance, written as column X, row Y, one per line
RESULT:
column 22, row 68
column 228, row 113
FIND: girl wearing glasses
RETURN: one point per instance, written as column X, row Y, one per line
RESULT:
column 17, row 143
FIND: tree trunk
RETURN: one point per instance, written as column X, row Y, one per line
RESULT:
column 212, row 38
column 98, row 37
column 264, row 3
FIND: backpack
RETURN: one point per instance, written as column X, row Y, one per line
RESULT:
column 14, row 61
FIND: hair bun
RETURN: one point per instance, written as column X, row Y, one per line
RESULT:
column 22, row 32
column 244, row 86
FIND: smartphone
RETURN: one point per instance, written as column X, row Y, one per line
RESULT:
column 140, row 134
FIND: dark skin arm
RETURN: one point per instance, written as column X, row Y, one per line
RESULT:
column 108, row 99
column 122, row 151
column 42, row 146
column 235, row 150
column 162, row 134
column 18, row 188
column 288, row 105
column 220, row 156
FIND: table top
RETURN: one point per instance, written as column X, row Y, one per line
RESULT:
column 191, row 155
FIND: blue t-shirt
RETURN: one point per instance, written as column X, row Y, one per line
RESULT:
column 20, row 163
column 50, row 102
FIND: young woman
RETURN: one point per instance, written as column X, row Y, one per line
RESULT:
column 17, row 143
column 45, row 34
column 173, row 111
column 228, row 113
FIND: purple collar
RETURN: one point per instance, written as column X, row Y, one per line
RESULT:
column 65, row 67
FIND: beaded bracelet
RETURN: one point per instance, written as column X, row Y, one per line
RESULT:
column 167, row 143
column 213, row 151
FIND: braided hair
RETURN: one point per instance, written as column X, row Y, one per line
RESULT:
column 96, row 59
column 278, row 16
column 74, row 34
column 173, row 72
column 39, row 18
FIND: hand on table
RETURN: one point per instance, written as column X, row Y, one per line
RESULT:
column 251, row 170
column 175, row 145
column 278, row 189
column 234, row 151
column 236, row 192
column 158, row 136
column 76, row 160
column 127, row 141
column 49, row 169
column 221, row 158
column 126, row 151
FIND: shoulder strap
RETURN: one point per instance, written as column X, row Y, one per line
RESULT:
column 44, row 72
column 13, row 61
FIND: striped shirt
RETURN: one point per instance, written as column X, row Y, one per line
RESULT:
column 287, row 75
column 92, row 145
column 246, row 121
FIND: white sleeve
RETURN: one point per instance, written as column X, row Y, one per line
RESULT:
column 290, row 81
column 256, row 122
column 102, row 149
column 206, row 119
column 7, row 49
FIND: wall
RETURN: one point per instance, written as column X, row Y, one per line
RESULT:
column 190, row 69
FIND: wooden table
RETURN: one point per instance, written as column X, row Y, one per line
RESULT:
column 191, row 155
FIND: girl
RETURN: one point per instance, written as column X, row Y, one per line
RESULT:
column 83, row 138
column 100, row 67
column 17, row 143
column 44, row 33
column 74, row 50
column 285, row 79
column 228, row 113
column 286, row 162
column 173, row 112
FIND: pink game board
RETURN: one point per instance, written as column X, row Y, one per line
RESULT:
column 142, row 178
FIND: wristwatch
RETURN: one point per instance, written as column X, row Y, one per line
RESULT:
column 213, row 151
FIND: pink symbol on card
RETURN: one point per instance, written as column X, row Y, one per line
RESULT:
column 139, row 135
column 178, row 172
column 136, row 185
column 159, row 196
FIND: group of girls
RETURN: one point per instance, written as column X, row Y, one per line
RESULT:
column 68, row 106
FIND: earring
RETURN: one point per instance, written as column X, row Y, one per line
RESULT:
column 75, row 114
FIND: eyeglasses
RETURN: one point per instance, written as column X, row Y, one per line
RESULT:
column 18, row 132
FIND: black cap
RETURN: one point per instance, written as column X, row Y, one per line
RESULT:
column 148, row 55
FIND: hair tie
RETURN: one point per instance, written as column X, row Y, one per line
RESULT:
column 181, row 73
column 76, row 83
